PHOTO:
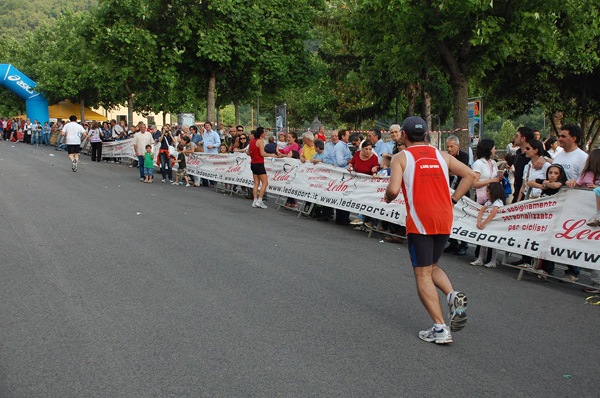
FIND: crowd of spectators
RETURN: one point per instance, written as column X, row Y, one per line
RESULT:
column 531, row 168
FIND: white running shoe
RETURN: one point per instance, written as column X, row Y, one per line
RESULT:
column 254, row 203
column 187, row 185
column 73, row 165
column 442, row 336
column 490, row 265
column 261, row 204
column 476, row 262
column 457, row 305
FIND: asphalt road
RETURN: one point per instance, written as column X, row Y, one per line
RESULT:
column 114, row 288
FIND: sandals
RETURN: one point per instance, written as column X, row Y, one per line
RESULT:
column 394, row 239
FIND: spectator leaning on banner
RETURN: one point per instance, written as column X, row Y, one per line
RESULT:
column 308, row 149
column 342, row 159
column 453, row 148
column 573, row 160
column 210, row 139
column 329, row 152
column 378, row 145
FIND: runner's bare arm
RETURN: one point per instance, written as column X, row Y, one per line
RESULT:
column 397, row 169
column 458, row 168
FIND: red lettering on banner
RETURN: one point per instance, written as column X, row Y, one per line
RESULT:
column 194, row 162
column 280, row 176
column 333, row 187
column 571, row 228
column 234, row 169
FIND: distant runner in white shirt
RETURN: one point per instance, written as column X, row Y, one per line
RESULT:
column 73, row 132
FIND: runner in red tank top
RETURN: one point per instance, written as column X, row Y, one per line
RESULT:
column 256, row 151
column 422, row 173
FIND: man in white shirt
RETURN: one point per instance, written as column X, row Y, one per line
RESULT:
column 572, row 159
column 140, row 140
column 73, row 133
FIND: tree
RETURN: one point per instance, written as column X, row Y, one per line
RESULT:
column 465, row 37
column 559, row 72
column 65, row 67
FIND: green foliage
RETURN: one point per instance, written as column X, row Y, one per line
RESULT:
column 505, row 135
column 18, row 17
column 559, row 72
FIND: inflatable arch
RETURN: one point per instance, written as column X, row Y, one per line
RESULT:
column 18, row 83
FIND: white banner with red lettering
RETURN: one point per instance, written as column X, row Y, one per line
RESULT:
column 552, row 228
column 118, row 149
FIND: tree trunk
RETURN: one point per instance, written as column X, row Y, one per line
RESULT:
column 412, row 94
column 460, row 95
column 210, row 97
column 82, row 107
column 595, row 136
column 556, row 121
column 129, row 104
column 236, row 106
column 426, row 109
column 457, row 67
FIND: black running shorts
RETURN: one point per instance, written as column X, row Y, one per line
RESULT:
column 426, row 250
column 73, row 149
column 258, row 168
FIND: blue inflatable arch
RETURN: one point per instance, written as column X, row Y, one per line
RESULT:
column 18, row 83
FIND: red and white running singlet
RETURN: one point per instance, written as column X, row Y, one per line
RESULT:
column 426, row 192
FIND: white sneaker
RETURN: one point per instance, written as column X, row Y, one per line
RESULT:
column 187, row 185
column 163, row 180
column 260, row 203
column 476, row 262
column 490, row 265
column 457, row 306
column 442, row 336
column 174, row 183
column 254, row 203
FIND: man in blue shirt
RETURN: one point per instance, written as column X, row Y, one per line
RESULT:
column 375, row 138
column 210, row 142
column 329, row 152
column 342, row 158
column 388, row 147
column 211, row 139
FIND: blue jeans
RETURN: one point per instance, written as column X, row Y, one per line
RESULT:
column 165, row 166
column 37, row 136
column 141, row 165
column 47, row 138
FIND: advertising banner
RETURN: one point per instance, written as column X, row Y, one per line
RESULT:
column 119, row 149
column 552, row 228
